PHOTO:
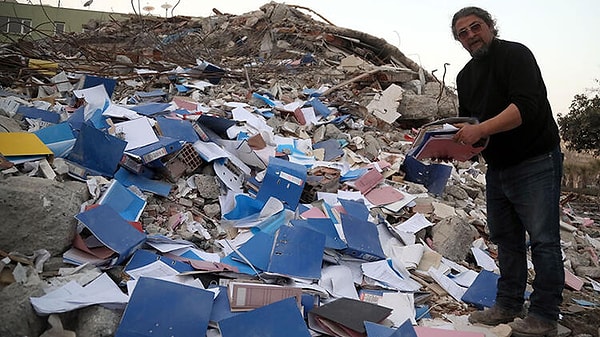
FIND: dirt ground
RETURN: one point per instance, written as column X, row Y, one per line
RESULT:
column 579, row 319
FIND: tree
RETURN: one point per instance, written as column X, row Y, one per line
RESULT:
column 580, row 128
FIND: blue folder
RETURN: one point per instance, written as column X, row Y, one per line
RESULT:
column 163, row 308
column 95, row 153
column 433, row 176
column 292, row 251
column 145, row 184
column 128, row 204
column 92, row 81
column 282, row 318
column 35, row 113
column 362, row 239
column 112, row 230
column 482, row 292
column 177, row 128
column 156, row 150
column 319, row 107
column 59, row 138
column 377, row 330
column 355, row 208
column 221, row 308
column 149, row 109
column 285, row 181
column 143, row 257
column 326, row 227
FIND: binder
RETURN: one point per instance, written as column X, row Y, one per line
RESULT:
column 283, row 180
column 246, row 296
column 145, row 184
column 148, row 153
column 112, row 230
column 482, row 292
column 435, row 141
column 95, row 153
column 362, row 239
column 433, row 176
column 221, row 309
column 163, row 308
column 326, row 227
column 19, row 147
column 128, row 204
column 143, row 257
column 291, row 251
column 179, row 129
column 35, row 113
column 59, row 138
column 273, row 320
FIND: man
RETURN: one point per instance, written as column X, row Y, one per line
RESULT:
column 502, row 86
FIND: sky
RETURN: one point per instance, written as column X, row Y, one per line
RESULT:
column 563, row 35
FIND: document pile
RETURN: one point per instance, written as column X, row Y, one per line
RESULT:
column 435, row 141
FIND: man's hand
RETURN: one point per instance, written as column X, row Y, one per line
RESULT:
column 468, row 134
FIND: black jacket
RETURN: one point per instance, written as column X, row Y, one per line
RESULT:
column 509, row 74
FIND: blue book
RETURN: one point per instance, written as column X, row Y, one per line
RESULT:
column 163, row 308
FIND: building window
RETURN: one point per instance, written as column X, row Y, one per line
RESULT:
column 15, row 25
column 59, row 27
column 26, row 26
column 3, row 24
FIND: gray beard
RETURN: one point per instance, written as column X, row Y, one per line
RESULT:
column 481, row 52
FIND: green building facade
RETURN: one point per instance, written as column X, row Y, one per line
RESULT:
column 24, row 21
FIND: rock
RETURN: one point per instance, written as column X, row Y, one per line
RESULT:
column 452, row 237
column 18, row 317
column 39, row 213
column 98, row 321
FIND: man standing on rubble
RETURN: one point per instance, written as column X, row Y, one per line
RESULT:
column 502, row 86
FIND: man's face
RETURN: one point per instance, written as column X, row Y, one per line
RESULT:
column 474, row 35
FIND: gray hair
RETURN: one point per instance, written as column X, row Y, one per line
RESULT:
column 478, row 12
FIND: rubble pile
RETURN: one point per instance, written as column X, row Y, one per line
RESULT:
column 207, row 145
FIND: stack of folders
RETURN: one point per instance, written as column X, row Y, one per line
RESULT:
column 435, row 141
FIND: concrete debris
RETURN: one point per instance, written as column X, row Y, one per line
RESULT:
column 338, row 104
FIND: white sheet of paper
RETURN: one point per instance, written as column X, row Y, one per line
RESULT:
column 210, row 151
column 96, row 97
column 466, row 278
column 73, row 296
column 414, row 224
column 483, row 259
column 118, row 111
column 154, row 269
column 338, row 281
column 403, row 305
column 136, row 132
column 382, row 272
column 445, row 282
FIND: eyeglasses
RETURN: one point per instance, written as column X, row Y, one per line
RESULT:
column 475, row 28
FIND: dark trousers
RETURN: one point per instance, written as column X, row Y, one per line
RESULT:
column 523, row 204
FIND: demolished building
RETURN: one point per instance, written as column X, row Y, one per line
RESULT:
column 264, row 151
